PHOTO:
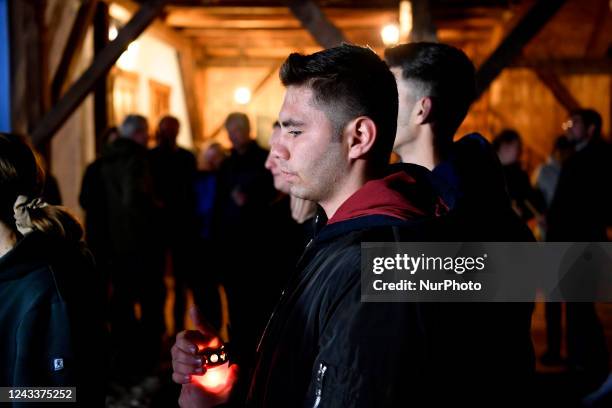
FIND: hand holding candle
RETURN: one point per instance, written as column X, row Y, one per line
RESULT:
column 200, row 362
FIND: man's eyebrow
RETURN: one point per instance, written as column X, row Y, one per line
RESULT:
column 291, row 123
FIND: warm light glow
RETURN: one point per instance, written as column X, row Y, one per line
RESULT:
column 127, row 60
column 405, row 19
column 214, row 343
column 119, row 13
column 242, row 95
column 112, row 33
column 214, row 379
column 390, row 34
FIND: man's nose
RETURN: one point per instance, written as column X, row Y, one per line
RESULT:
column 278, row 148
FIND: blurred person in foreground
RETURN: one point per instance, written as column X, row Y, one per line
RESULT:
column 52, row 310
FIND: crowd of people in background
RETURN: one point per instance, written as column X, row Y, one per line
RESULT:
column 229, row 228
column 207, row 221
column 567, row 203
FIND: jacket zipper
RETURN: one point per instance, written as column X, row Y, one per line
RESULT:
column 281, row 300
column 319, row 387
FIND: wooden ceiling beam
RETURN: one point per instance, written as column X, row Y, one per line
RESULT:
column 558, row 89
column 567, row 66
column 512, row 45
column 82, row 22
column 232, row 62
column 599, row 24
column 318, row 25
column 99, row 67
column 157, row 28
column 201, row 19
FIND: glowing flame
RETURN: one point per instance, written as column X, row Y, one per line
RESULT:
column 214, row 379
column 214, row 343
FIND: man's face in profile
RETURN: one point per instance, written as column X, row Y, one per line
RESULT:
column 238, row 134
column 575, row 129
column 407, row 101
column 272, row 164
column 311, row 158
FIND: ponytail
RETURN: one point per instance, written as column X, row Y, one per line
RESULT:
column 21, row 180
column 36, row 215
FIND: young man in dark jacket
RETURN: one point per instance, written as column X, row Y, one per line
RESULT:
column 323, row 346
column 580, row 211
column 484, row 348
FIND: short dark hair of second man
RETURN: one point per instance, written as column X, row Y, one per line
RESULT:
column 443, row 73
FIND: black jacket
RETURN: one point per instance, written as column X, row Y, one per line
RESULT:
column 323, row 346
column 130, row 211
column 478, row 354
column 173, row 173
column 580, row 210
column 51, row 319
column 483, row 349
column 244, row 174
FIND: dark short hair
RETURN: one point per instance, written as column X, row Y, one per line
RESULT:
column 169, row 118
column 349, row 81
column 132, row 124
column 21, row 174
column 238, row 117
column 446, row 75
column 504, row 137
column 590, row 117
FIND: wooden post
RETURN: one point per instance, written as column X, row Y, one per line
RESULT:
column 99, row 67
column 187, row 66
column 101, row 90
column 512, row 45
column 73, row 47
column 423, row 28
column 26, row 92
column 325, row 33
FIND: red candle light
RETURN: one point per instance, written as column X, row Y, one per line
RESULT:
column 214, row 380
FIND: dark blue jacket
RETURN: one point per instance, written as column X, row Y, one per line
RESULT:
column 51, row 319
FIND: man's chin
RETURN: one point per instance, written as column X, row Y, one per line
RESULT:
column 283, row 188
column 299, row 193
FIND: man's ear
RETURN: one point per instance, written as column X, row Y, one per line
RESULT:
column 423, row 110
column 362, row 134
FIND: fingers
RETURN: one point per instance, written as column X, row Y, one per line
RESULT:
column 187, row 341
column 186, row 364
column 185, row 360
column 181, row 378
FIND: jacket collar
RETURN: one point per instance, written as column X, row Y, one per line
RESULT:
column 401, row 197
